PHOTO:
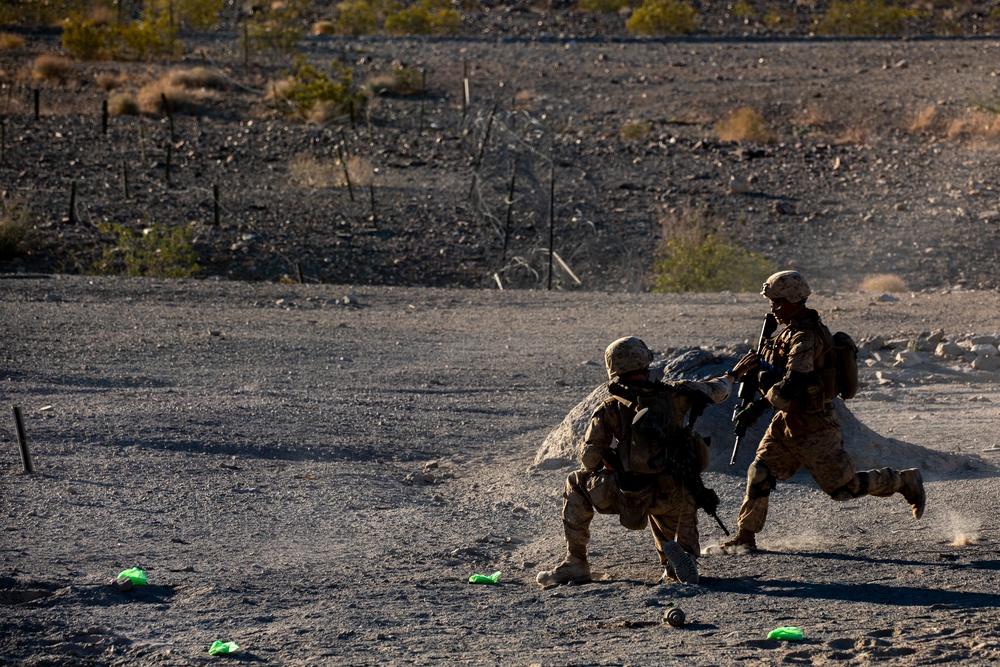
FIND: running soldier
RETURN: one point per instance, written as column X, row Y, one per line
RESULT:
column 798, row 379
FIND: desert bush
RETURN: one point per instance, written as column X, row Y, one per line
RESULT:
column 107, row 81
column 309, row 172
column 744, row 125
column 323, row 28
column 696, row 256
column 36, row 13
column 15, row 225
column 356, row 17
column 636, row 129
column 10, row 42
column 743, row 10
column 863, row 17
column 153, row 35
column 974, row 124
column 151, row 98
column 49, row 66
column 123, row 105
column 883, row 282
column 309, row 88
column 427, row 17
column 603, row 6
column 197, row 77
column 400, row 80
column 663, row 17
column 158, row 251
column 927, row 120
column 277, row 28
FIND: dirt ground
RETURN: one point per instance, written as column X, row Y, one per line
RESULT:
column 314, row 472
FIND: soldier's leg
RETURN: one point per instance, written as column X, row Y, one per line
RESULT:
column 772, row 462
column 583, row 491
column 885, row 482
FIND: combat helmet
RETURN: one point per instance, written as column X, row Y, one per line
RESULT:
column 788, row 285
column 627, row 355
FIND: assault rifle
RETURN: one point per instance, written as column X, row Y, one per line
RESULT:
column 743, row 417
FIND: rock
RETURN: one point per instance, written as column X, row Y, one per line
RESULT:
column 122, row 583
column 949, row 350
column 986, row 363
column 738, row 185
column 909, row 358
column 886, row 298
column 985, row 350
column 986, row 339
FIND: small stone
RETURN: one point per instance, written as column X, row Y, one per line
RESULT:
column 986, row 363
column 122, row 583
column 886, row 298
column 949, row 349
column 985, row 350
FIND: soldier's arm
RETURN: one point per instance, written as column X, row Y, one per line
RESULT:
column 716, row 390
column 787, row 392
column 600, row 434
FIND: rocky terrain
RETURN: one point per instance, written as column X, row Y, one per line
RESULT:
column 880, row 158
column 315, row 473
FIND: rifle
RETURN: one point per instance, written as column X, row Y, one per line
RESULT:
column 749, row 386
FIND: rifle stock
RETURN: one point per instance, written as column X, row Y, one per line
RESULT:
column 750, row 385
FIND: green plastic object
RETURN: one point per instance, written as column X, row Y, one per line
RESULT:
column 485, row 579
column 788, row 633
column 221, row 648
column 137, row 576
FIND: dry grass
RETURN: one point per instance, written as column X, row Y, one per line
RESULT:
column 324, row 28
column 123, row 105
column 857, row 135
column 322, row 113
column 636, row 130
column 108, row 81
column 198, row 77
column 276, row 90
column 49, row 66
column 309, row 172
column 524, row 100
column 9, row 41
column 744, row 125
column 928, row 120
column 883, row 282
column 974, row 125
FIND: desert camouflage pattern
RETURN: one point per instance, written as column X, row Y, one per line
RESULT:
column 805, row 432
column 593, row 489
column 788, row 285
column 626, row 355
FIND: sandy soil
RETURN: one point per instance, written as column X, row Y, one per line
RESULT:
column 314, row 472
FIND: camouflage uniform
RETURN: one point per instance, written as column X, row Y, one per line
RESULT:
column 805, row 432
column 593, row 488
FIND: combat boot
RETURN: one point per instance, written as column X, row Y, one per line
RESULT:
column 680, row 565
column 913, row 490
column 572, row 570
column 744, row 540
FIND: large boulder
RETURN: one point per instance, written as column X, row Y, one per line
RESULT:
column 866, row 448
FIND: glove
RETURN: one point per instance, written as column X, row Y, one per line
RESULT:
column 749, row 415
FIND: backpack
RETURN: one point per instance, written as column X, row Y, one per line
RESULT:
column 845, row 360
column 653, row 443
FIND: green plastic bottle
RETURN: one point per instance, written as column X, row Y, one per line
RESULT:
column 485, row 579
column 221, row 648
column 788, row 633
column 135, row 575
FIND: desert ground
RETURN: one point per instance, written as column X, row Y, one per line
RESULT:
column 315, row 471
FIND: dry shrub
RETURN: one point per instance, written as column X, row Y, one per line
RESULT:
column 151, row 98
column 882, row 282
column 9, row 41
column 401, row 80
column 322, row 113
column 276, row 90
column 108, row 81
column 309, row 172
column 49, row 66
column 974, row 124
column 123, row 105
column 928, row 120
column 198, row 77
column 636, row 130
column 857, row 135
column 100, row 15
column 324, row 28
column 744, row 125
column 815, row 116
column 524, row 100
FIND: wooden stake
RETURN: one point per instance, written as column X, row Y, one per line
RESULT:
column 3, row 138
column 482, row 148
column 104, row 117
column 552, row 216
column 298, row 272
column 170, row 151
column 125, row 178
column 37, row 103
column 22, row 441
column 510, row 207
column 170, row 115
column 72, row 203
column 423, row 98
column 215, row 198
column 347, row 176
column 371, row 190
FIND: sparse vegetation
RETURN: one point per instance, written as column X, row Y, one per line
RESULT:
column 123, row 105
column 663, row 17
column 744, row 124
column 604, row 6
column 197, row 77
column 400, row 80
column 107, row 81
column 309, row 88
column 10, row 42
column 863, row 17
column 743, row 10
column 695, row 255
column 356, row 17
column 152, row 96
column 426, row 17
column 882, row 282
column 636, row 130
column 49, row 66
column 15, row 224
column 324, row 28
column 158, row 251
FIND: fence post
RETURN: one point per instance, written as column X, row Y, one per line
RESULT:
column 22, row 441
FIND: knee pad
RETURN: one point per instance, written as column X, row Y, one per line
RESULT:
column 856, row 488
column 760, row 481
